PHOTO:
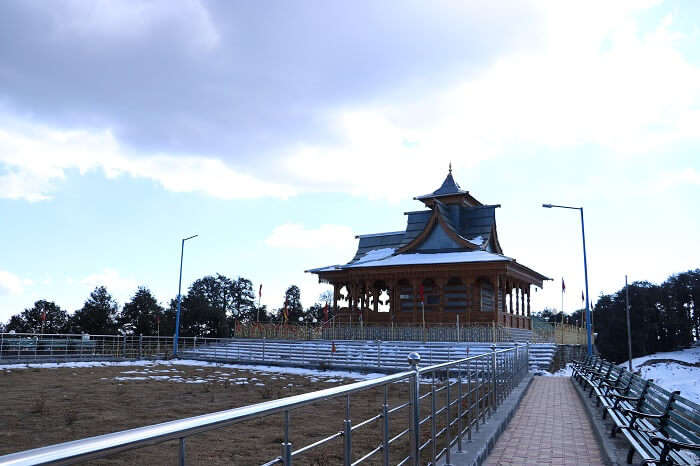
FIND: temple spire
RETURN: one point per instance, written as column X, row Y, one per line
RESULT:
column 450, row 170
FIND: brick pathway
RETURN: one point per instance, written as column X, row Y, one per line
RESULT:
column 550, row 427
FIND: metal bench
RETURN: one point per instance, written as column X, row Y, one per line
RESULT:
column 661, row 427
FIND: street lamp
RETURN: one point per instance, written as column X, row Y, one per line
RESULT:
column 585, row 272
column 179, row 297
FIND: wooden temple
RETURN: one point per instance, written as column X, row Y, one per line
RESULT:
column 450, row 252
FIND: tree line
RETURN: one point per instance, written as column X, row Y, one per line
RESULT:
column 212, row 307
column 662, row 317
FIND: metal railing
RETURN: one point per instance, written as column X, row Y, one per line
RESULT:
column 472, row 332
column 28, row 347
column 438, row 407
column 559, row 333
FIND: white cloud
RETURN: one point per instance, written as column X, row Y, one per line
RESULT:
column 593, row 80
column 112, row 280
column 11, row 283
column 122, row 20
column 689, row 176
column 36, row 157
column 598, row 80
column 295, row 236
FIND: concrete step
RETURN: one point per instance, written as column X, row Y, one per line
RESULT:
column 356, row 354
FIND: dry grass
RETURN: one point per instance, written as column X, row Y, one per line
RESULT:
column 47, row 406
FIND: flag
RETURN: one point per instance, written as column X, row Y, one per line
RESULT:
column 563, row 286
column 284, row 312
column 260, row 291
column 43, row 316
column 583, row 298
column 325, row 312
column 420, row 292
column 332, row 347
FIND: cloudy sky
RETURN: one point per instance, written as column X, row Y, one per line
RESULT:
column 278, row 130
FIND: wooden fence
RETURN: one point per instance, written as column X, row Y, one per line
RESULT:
column 473, row 332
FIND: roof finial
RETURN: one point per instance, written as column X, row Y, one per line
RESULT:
column 450, row 167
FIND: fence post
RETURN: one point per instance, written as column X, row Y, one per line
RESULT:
column 527, row 356
column 124, row 347
column 379, row 353
column 286, row 445
column 141, row 346
column 493, row 362
column 414, row 360
column 347, row 448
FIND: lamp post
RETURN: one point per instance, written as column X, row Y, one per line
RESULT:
column 179, row 297
column 585, row 272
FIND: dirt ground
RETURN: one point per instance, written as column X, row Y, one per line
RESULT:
column 43, row 406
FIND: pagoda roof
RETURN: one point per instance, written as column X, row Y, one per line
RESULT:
column 386, row 258
column 449, row 190
column 454, row 228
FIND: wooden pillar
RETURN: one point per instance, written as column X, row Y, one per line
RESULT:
column 440, row 284
column 375, row 294
column 390, row 291
column 414, row 294
column 336, row 291
column 528, row 320
column 496, row 298
column 517, row 299
column 467, row 317
column 510, row 297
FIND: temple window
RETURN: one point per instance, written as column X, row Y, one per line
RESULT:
column 430, row 294
column 487, row 297
column 455, row 295
column 384, row 305
column 406, row 296
column 343, row 297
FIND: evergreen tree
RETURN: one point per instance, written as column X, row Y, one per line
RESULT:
column 141, row 314
column 662, row 317
column 98, row 314
column 292, row 299
column 243, row 300
column 205, row 308
column 46, row 316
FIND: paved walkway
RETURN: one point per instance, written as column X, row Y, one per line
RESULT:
column 550, row 427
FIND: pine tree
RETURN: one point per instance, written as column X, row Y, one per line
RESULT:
column 31, row 320
column 98, row 314
column 141, row 314
column 292, row 299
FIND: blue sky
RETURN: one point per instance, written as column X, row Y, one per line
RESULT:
column 278, row 134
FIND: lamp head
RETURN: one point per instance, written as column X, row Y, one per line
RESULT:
column 548, row 206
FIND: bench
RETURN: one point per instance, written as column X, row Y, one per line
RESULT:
column 661, row 427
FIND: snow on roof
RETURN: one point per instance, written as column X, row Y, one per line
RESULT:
column 434, row 258
column 479, row 240
column 374, row 235
column 375, row 255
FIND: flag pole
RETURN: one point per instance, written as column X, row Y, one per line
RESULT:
column 629, row 330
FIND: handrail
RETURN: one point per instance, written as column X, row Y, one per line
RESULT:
column 103, row 445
